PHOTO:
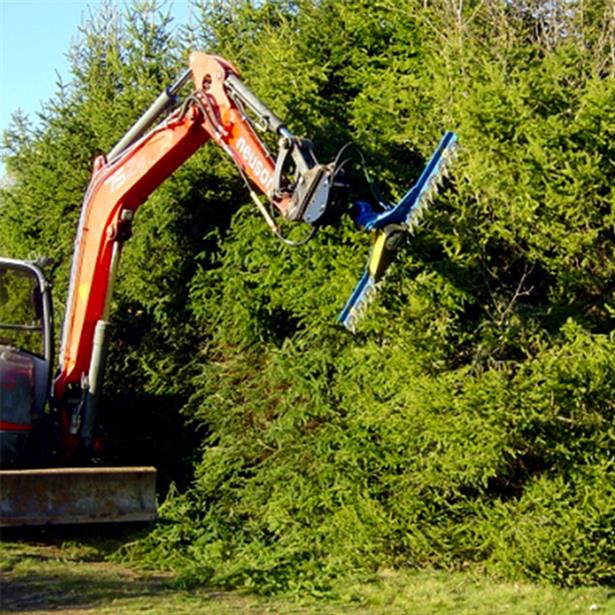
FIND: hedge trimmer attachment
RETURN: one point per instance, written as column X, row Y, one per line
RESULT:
column 392, row 225
column 297, row 188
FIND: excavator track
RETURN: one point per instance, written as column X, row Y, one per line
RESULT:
column 77, row 495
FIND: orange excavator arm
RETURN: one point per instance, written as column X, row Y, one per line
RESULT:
column 221, row 108
column 123, row 180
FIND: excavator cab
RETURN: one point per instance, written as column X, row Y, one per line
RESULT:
column 26, row 349
column 56, row 495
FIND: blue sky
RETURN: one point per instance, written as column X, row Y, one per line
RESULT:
column 35, row 36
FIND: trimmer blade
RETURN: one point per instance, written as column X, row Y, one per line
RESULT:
column 412, row 205
column 392, row 224
column 383, row 252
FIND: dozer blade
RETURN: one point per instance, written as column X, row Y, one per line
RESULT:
column 77, row 495
column 392, row 224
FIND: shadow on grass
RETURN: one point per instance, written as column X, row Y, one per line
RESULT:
column 105, row 538
column 55, row 590
column 64, row 567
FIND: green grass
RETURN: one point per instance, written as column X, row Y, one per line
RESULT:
column 50, row 572
column 439, row 592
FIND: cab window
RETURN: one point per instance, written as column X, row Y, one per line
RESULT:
column 21, row 311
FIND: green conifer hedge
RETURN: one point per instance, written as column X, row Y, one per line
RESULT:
column 470, row 421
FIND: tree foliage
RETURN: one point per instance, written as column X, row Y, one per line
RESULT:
column 470, row 420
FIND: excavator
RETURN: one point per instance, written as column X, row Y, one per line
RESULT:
column 48, row 417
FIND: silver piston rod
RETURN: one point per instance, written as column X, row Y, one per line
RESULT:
column 239, row 89
column 164, row 101
column 99, row 355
